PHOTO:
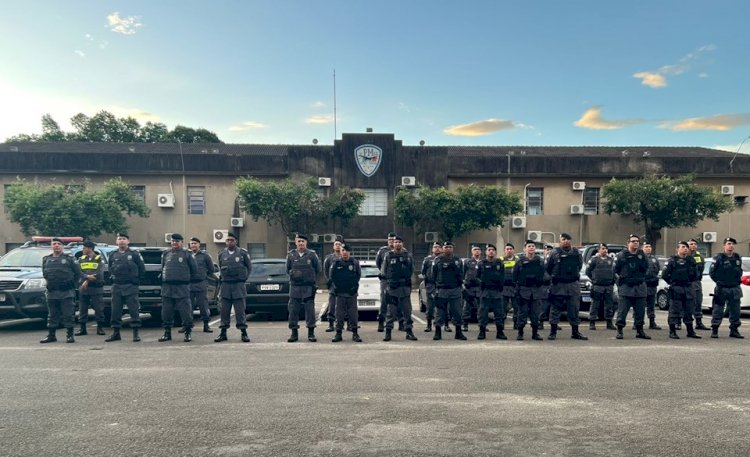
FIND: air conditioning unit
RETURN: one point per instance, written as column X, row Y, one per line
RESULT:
column 237, row 222
column 329, row 237
column 165, row 200
column 727, row 190
column 534, row 235
column 168, row 237
column 709, row 237
column 579, row 185
column 220, row 236
column 313, row 238
column 430, row 237
column 576, row 209
column 324, row 182
column 518, row 222
column 408, row 181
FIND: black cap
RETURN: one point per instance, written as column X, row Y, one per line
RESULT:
column 448, row 243
column 391, row 234
column 509, row 245
column 729, row 239
column 398, row 238
column 301, row 235
column 196, row 240
column 528, row 242
column 474, row 246
column 345, row 247
column 685, row 243
column 437, row 243
column 56, row 239
column 490, row 245
column 548, row 246
column 693, row 240
column 566, row 236
column 177, row 237
column 231, row 235
column 603, row 245
column 123, row 235
column 89, row 244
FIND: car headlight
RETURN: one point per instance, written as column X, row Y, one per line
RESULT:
column 39, row 283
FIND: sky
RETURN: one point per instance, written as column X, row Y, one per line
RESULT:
column 544, row 73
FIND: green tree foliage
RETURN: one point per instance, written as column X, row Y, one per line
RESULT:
column 105, row 127
column 454, row 213
column 296, row 206
column 658, row 202
column 72, row 210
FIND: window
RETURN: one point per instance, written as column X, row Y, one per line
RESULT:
column 140, row 192
column 196, row 196
column 365, row 251
column 256, row 250
column 591, row 200
column 375, row 204
column 534, row 201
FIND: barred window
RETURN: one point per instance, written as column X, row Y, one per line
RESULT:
column 534, row 201
column 196, row 196
column 375, row 203
column 591, row 200
column 140, row 192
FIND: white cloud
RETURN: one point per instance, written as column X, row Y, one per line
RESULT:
column 317, row 105
column 654, row 80
column 480, row 128
column 718, row 122
column 321, row 119
column 124, row 25
column 404, row 107
column 658, row 79
column 248, row 125
column 136, row 113
column 89, row 37
column 79, row 53
column 592, row 119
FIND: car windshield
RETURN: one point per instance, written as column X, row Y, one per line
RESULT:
column 268, row 269
column 151, row 257
column 370, row 272
column 24, row 258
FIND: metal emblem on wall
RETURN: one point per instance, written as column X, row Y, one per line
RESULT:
column 368, row 158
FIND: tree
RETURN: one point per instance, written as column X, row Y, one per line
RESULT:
column 454, row 213
column 105, row 127
column 343, row 205
column 659, row 202
column 71, row 210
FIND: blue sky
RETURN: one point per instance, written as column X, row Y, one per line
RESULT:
column 660, row 73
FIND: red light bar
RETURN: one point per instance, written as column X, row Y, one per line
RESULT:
column 746, row 280
column 64, row 239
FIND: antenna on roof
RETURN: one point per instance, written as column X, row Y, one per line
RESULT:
column 335, row 126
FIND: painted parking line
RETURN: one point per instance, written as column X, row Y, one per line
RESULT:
column 415, row 318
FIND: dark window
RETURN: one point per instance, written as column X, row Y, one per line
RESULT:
column 591, row 200
column 534, row 201
column 196, row 199
column 256, row 250
column 140, row 192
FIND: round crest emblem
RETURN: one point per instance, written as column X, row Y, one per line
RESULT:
column 180, row 260
column 237, row 259
column 64, row 261
column 351, row 267
column 130, row 257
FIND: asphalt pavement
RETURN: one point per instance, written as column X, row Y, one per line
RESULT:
column 602, row 397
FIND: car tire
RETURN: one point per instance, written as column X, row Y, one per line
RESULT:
column 662, row 301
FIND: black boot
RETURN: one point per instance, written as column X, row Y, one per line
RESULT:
column 535, row 334
column 410, row 335
column 167, row 335
column 330, row 327
column 69, row 337
column 429, row 325
column 337, row 337
column 673, row 332
column 482, row 332
column 438, row 333
column 99, row 330
column 714, row 331
column 465, row 328
column 136, row 336
column 691, row 331
column 82, row 331
column 114, row 337
column 652, row 324
column 311, row 334
column 699, row 324
column 500, row 334
column 678, row 326
column 576, row 335
column 222, row 336
column 619, row 335
column 552, row 332
column 244, row 336
column 206, row 328
column 639, row 333
column 734, row 333
column 50, row 338
column 401, row 326
column 519, row 337
column 381, row 325
column 356, row 338
column 459, row 334
column 188, row 334
column 294, row 336
column 387, row 336
column 592, row 325
column 448, row 328
column 610, row 325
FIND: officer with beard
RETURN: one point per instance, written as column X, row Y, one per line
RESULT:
column 630, row 268
column 652, row 282
column 429, row 285
column 528, row 274
column 491, row 276
column 601, row 270
column 680, row 273
column 564, row 266
column 447, row 273
column 726, row 271
column 471, row 285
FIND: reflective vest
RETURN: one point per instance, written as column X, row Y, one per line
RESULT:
column 509, row 264
column 91, row 266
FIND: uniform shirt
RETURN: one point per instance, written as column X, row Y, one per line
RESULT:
column 234, row 290
column 437, row 264
column 529, row 292
column 699, row 264
column 471, row 283
column 566, row 289
column 427, row 274
column 176, row 264
column 205, row 265
column 388, row 263
column 92, row 265
column 66, row 263
column 308, row 257
column 339, row 270
column 652, row 274
column 482, row 267
column 135, row 262
column 595, row 262
column 509, row 289
column 328, row 261
column 681, row 287
column 626, row 287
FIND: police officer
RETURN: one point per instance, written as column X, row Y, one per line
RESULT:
column 697, row 285
column 510, row 301
column 92, row 288
column 726, row 271
column 178, row 270
column 303, row 266
column 528, row 275
column 471, row 285
column 199, row 289
column 652, row 281
column 680, row 273
column 491, row 276
column 398, row 267
column 330, row 312
column 429, row 283
column 384, row 286
column 564, row 267
column 544, row 313
column 630, row 268
column 343, row 279
column 62, row 274
column 126, row 267
column 601, row 270
column 234, row 267
column 447, row 273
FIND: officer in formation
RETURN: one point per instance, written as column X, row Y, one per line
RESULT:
column 343, row 280
column 726, row 271
column 471, row 286
column 491, row 277
column 564, row 266
column 429, row 284
column 630, row 267
column 697, row 284
column 397, row 269
column 63, row 275
column 303, row 266
column 601, row 270
column 330, row 311
column 126, row 267
column 178, row 270
column 528, row 274
column 92, row 288
column 384, row 285
column 510, row 300
column 447, row 273
column 234, row 267
column 544, row 313
column 680, row 273
column 652, row 282
column 199, row 289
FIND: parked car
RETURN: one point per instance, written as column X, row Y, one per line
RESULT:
column 368, row 297
column 268, row 289
column 590, row 250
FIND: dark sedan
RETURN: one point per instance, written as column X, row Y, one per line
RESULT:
column 268, row 288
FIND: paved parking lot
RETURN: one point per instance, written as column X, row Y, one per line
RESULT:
column 269, row 397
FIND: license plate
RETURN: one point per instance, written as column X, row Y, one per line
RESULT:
column 2, row 297
column 586, row 299
column 367, row 303
column 270, row 287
